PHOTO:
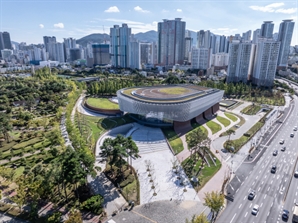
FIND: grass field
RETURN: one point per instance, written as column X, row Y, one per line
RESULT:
column 103, row 103
column 238, row 143
column 174, row 90
column 174, row 140
column 230, row 116
column 251, row 109
column 223, row 121
column 213, row 126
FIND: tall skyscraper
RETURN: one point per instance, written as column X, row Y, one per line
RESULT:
column 75, row 54
column 59, row 52
column 171, row 48
column 265, row 62
column 120, row 37
column 200, row 58
column 285, row 37
column 6, row 40
column 267, row 29
column 241, row 56
column 256, row 35
column 101, row 54
column 222, row 43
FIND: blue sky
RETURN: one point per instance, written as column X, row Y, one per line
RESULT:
column 29, row 21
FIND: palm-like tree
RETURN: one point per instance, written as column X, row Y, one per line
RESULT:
column 215, row 201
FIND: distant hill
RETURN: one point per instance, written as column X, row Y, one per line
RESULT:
column 15, row 43
column 150, row 36
column 93, row 38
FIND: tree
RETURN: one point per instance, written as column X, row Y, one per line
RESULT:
column 230, row 132
column 172, row 79
column 202, row 218
column 131, row 148
column 215, row 201
column 75, row 216
column 194, row 138
column 5, row 125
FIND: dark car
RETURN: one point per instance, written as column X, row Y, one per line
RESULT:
column 283, row 148
column 251, row 195
column 285, row 214
column 275, row 152
column 273, row 169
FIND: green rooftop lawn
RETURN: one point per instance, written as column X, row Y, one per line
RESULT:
column 174, row 90
column 103, row 103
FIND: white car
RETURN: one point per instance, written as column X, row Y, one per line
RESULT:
column 292, row 135
column 255, row 209
column 282, row 141
column 295, row 128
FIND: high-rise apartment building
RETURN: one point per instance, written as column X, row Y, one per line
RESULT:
column 246, row 36
column 69, row 43
column 285, row 37
column 200, row 58
column 59, row 52
column 75, row 54
column 188, row 46
column 203, row 39
column 222, row 43
column 48, row 40
column 134, row 58
column 101, row 54
column 256, row 35
column 241, row 56
column 267, row 29
column 120, row 37
column 171, row 37
column 265, row 62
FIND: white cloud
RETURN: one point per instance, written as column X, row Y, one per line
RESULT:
column 164, row 11
column 125, row 21
column 272, row 8
column 59, row 25
column 179, row 10
column 286, row 11
column 41, row 26
column 112, row 9
column 139, row 9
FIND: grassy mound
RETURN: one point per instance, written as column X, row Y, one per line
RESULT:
column 102, row 103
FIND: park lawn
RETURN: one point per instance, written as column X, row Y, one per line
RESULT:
column 174, row 140
column 251, row 109
column 176, row 145
column 238, row 143
column 224, row 121
column 109, row 123
column 174, row 90
column 196, row 125
column 92, row 122
column 230, row 116
column 103, row 103
column 213, row 126
column 208, row 173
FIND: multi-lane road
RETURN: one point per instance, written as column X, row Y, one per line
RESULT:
column 274, row 192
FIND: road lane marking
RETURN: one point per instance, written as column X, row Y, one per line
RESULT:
column 244, row 197
column 238, row 179
column 259, row 189
column 245, row 214
column 254, row 183
column 231, row 187
column 250, row 205
column 268, row 189
column 240, row 206
column 265, row 196
column 271, row 181
column 233, row 218
column 262, row 182
column 261, row 205
column 237, row 190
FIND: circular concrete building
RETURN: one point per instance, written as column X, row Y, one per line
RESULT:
column 173, row 104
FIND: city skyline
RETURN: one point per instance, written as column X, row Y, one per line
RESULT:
column 35, row 19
